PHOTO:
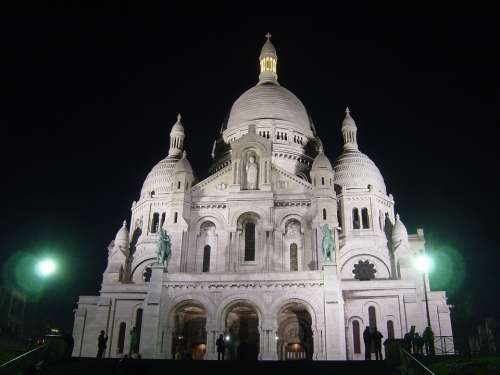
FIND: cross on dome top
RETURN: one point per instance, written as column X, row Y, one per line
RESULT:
column 268, row 35
column 347, row 111
column 179, row 117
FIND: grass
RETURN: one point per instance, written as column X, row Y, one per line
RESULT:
column 7, row 355
column 467, row 366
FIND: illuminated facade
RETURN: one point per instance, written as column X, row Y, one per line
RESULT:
column 247, row 259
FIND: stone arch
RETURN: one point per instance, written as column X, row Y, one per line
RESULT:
column 242, row 322
column 295, row 331
column 229, row 302
column 214, row 217
column 280, row 303
column 237, row 215
column 188, row 327
column 378, row 312
column 187, row 298
column 347, row 264
column 140, row 265
column 285, row 217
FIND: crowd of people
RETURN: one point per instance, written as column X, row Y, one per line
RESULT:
column 414, row 343
column 373, row 343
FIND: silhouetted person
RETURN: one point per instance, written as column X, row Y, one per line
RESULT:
column 134, row 341
column 221, row 347
column 123, row 365
column 428, row 337
column 367, row 338
column 418, row 344
column 377, row 342
column 101, row 344
column 70, row 343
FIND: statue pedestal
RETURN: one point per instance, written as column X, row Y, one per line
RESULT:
column 334, row 313
column 151, row 314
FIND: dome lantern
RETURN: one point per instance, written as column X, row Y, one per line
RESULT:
column 349, row 131
column 177, row 136
column 268, row 62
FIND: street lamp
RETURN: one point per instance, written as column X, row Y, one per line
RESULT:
column 45, row 267
column 424, row 264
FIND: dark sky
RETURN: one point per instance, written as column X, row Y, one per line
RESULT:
column 89, row 96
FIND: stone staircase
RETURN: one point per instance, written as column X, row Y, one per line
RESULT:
column 93, row 366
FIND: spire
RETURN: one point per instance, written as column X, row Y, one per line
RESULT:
column 349, row 131
column 268, row 62
column 177, row 136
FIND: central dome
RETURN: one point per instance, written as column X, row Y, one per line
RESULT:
column 269, row 101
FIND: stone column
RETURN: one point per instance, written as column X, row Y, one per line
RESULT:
column 211, row 350
column 79, row 330
column 149, row 348
column 334, row 314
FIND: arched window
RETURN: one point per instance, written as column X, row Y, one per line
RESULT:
column 380, row 220
column 154, row 222
column 175, row 217
column 294, row 260
column 121, row 337
column 162, row 220
column 206, row 258
column 322, row 180
column 178, row 184
column 324, row 213
column 250, row 241
column 355, row 218
column 339, row 217
column 372, row 317
column 138, row 325
column 390, row 329
column 356, row 340
column 365, row 218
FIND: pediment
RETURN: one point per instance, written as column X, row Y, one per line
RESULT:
column 285, row 182
column 216, row 184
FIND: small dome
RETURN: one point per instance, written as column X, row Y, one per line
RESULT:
column 399, row 232
column 269, row 101
column 353, row 169
column 268, row 48
column 321, row 162
column 122, row 236
column 177, row 127
column 183, row 165
column 159, row 180
column 348, row 121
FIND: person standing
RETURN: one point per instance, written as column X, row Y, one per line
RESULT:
column 134, row 341
column 367, row 338
column 221, row 348
column 428, row 336
column 377, row 341
column 418, row 346
column 101, row 344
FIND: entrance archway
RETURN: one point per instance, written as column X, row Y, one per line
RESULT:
column 190, row 335
column 242, row 332
column 295, row 338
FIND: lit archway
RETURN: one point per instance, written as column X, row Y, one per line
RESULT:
column 242, row 332
column 190, row 335
column 294, row 339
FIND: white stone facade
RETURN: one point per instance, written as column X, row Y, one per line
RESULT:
column 247, row 259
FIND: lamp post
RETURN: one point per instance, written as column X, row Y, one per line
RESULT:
column 424, row 264
column 44, row 269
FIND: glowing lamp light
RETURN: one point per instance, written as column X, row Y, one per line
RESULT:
column 227, row 338
column 45, row 267
column 423, row 263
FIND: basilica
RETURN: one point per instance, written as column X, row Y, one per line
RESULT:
column 283, row 252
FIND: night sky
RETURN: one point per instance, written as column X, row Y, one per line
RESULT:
column 89, row 97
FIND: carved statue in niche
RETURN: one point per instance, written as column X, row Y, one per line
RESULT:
column 252, row 170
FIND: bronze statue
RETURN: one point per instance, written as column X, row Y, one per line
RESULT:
column 164, row 249
column 328, row 243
